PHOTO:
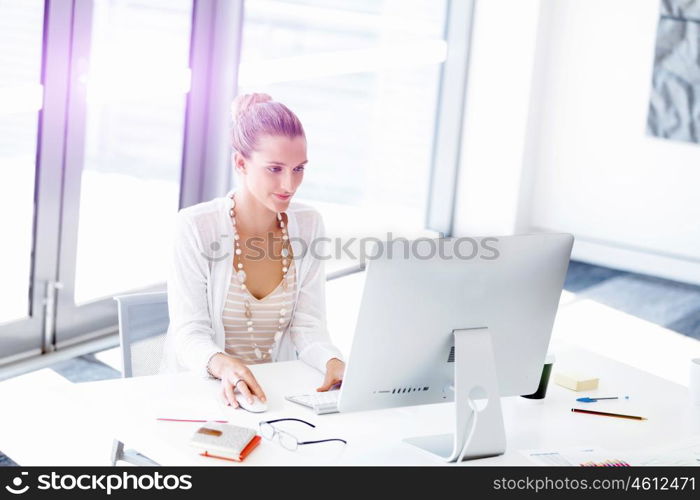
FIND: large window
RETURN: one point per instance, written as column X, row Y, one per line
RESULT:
column 363, row 76
column 136, row 94
column 20, row 100
column 93, row 98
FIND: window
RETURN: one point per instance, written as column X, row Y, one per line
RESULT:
column 136, row 93
column 21, row 34
column 363, row 76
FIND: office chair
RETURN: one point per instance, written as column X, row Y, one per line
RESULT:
column 143, row 324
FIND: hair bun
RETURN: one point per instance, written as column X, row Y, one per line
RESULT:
column 243, row 102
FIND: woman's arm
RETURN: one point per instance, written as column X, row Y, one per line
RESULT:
column 190, row 321
column 308, row 329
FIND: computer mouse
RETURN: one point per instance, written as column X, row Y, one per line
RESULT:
column 256, row 406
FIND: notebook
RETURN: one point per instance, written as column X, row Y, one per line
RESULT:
column 225, row 441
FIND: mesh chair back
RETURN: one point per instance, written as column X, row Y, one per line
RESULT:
column 143, row 324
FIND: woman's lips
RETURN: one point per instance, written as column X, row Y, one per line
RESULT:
column 283, row 197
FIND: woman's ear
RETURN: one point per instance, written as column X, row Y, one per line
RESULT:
column 239, row 162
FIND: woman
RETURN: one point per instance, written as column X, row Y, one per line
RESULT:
column 240, row 290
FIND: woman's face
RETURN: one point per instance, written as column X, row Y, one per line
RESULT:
column 274, row 170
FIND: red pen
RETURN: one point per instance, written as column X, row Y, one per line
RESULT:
column 189, row 420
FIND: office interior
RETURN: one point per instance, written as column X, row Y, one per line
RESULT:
column 423, row 118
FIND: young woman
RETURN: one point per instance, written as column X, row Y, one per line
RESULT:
column 241, row 290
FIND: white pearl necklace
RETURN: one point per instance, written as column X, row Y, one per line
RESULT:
column 241, row 275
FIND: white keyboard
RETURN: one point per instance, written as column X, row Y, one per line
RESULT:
column 319, row 402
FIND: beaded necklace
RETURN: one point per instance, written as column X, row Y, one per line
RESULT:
column 241, row 275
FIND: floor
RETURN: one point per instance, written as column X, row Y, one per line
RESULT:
column 673, row 305
column 670, row 304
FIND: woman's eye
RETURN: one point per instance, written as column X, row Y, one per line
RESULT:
column 299, row 169
column 274, row 169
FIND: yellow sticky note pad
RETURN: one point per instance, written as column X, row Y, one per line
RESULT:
column 576, row 381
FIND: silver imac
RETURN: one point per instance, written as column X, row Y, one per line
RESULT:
column 459, row 319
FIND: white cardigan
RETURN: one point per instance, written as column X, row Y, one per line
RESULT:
column 199, row 278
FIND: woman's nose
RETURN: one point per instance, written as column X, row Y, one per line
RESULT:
column 287, row 182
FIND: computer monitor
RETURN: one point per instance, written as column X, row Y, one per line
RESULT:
column 496, row 296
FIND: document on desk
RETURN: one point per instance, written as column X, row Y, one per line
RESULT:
column 588, row 456
column 682, row 453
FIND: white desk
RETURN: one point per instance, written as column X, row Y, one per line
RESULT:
column 73, row 424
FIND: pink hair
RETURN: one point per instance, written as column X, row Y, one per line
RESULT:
column 255, row 115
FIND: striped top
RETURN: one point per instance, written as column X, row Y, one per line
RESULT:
column 264, row 313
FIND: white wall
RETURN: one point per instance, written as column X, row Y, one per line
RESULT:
column 582, row 163
column 496, row 116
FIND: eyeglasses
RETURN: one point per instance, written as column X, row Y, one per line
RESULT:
column 287, row 440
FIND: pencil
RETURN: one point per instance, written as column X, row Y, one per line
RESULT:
column 606, row 414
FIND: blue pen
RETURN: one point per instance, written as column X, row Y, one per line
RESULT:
column 593, row 400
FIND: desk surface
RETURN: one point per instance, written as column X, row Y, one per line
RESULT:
column 56, row 418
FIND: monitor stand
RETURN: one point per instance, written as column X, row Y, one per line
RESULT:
column 479, row 426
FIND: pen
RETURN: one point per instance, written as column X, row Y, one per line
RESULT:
column 188, row 420
column 606, row 414
column 593, row 400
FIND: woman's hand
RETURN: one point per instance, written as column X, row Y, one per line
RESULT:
column 234, row 374
column 334, row 374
